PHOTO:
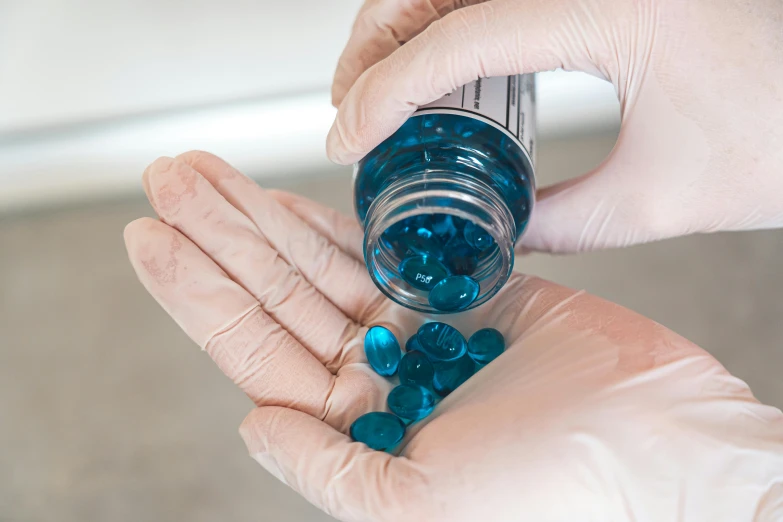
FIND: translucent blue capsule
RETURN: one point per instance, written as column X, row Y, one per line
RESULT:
column 412, row 344
column 460, row 258
column 485, row 345
column 411, row 402
column 379, row 430
column 416, row 368
column 441, row 342
column 454, row 293
column 477, row 237
column 443, row 226
column 422, row 272
column 451, row 374
column 423, row 242
column 382, row 350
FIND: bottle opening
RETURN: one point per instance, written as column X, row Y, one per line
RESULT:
column 439, row 241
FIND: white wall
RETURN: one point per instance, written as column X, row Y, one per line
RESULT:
column 91, row 91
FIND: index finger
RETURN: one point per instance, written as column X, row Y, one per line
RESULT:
column 381, row 27
column 496, row 38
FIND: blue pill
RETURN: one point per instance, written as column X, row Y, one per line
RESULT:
column 398, row 229
column 379, row 430
column 441, row 342
column 412, row 344
column 411, row 402
column 485, row 345
column 443, row 226
column 423, row 272
column 423, row 242
column 416, row 368
column 454, row 293
column 477, row 237
column 460, row 257
column 382, row 350
column 450, row 375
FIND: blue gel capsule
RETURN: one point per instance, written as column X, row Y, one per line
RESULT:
column 477, row 237
column 379, row 430
column 443, row 226
column 411, row 402
column 423, row 272
column 423, row 242
column 485, row 345
column 450, row 375
column 441, row 342
column 382, row 350
column 459, row 257
column 454, row 293
column 416, row 368
column 412, row 344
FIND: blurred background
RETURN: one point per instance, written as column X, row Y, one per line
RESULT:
column 107, row 411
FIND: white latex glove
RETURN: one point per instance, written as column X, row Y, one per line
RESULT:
column 700, row 84
column 592, row 414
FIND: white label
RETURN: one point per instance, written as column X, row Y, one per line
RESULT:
column 509, row 102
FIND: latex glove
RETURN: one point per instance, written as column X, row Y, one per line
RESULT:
column 700, row 84
column 592, row 414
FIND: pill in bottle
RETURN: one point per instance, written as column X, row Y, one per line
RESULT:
column 446, row 197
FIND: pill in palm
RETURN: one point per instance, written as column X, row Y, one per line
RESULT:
column 449, row 375
column 412, row 344
column 416, row 368
column 382, row 350
column 379, row 430
column 411, row 402
column 441, row 342
column 485, row 345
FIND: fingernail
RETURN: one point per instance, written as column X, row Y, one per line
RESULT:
column 269, row 463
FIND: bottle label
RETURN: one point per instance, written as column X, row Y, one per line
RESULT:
column 506, row 102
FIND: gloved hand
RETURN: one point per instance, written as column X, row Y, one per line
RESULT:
column 699, row 83
column 592, row 414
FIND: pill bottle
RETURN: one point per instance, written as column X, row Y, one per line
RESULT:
column 445, row 198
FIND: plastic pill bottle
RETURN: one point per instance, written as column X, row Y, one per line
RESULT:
column 445, row 198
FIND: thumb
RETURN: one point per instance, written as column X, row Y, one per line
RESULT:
column 345, row 479
column 496, row 38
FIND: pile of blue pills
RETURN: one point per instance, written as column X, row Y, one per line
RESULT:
column 440, row 254
column 437, row 360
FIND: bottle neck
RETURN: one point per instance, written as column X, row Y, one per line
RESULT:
column 438, row 192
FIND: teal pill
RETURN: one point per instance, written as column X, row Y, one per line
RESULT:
column 411, row 402
column 451, row 374
column 441, row 342
column 423, row 242
column 382, row 350
column 454, row 293
column 379, row 430
column 460, row 257
column 416, row 368
column 443, row 225
column 412, row 344
column 485, row 345
column 422, row 272
column 477, row 237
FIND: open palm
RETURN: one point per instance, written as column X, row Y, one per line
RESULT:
column 588, row 397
